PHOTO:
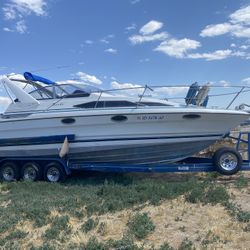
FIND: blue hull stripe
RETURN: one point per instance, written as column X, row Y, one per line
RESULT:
column 36, row 140
column 71, row 138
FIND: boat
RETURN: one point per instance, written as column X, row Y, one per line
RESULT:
column 104, row 127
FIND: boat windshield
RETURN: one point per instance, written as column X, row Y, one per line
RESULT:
column 63, row 91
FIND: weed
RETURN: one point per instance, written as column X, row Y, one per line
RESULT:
column 94, row 244
column 178, row 218
column 166, row 246
column 243, row 216
column 102, row 229
column 45, row 246
column 215, row 195
column 186, row 244
column 126, row 243
column 3, row 188
column 210, row 238
column 140, row 225
column 247, row 228
column 182, row 228
column 13, row 236
column 241, row 182
column 99, row 194
column 58, row 225
column 212, row 175
column 237, row 212
column 196, row 194
column 89, row 225
column 212, row 195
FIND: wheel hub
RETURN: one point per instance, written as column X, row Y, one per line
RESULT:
column 228, row 161
column 8, row 174
column 53, row 174
column 30, row 174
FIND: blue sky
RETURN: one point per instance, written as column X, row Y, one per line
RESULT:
column 112, row 43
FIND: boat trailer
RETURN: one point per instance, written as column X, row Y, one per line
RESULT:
column 225, row 160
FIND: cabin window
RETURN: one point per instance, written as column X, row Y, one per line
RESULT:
column 154, row 104
column 106, row 104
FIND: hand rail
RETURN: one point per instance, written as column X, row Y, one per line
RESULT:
column 98, row 99
column 235, row 98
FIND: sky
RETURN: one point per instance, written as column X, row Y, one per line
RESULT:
column 117, row 43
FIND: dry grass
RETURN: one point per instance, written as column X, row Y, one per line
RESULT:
column 207, row 226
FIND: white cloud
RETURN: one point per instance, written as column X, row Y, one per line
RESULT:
column 17, row 10
column 138, row 39
column 131, row 27
column 171, row 91
column 89, row 42
column 20, row 8
column 111, row 50
column 135, row 1
column 138, row 89
column 69, row 81
column 104, row 41
column 216, row 55
column 7, row 29
column 241, row 16
column 21, row 27
column 177, row 48
column 225, row 83
column 216, row 29
column 107, row 38
column 241, row 31
column 9, row 12
column 238, row 25
column 88, row 78
column 144, row 60
column 245, row 46
column 150, row 27
column 127, row 88
column 246, row 80
column 147, row 33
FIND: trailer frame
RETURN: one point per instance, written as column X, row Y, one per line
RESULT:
column 191, row 164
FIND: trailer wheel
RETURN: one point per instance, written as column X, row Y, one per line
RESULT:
column 54, row 172
column 31, row 171
column 9, row 172
column 228, row 161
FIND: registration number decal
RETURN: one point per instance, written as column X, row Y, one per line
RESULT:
column 151, row 117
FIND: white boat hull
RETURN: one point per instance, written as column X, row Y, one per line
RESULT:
column 146, row 136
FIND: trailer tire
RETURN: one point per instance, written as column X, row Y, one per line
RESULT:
column 9, row 171
column 54, row 172
column 228, row 161
column 31, row 171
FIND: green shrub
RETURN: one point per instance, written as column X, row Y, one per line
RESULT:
column 186, row 244
column 247, row 228
column 211, row 194
column 215, row 195
column 126, row 243
column 241, row 182
column 210, row 238
column 140, row 225
column 13, row 236
column 102, row 229
column 166, row 246
column 243, row 216
column 94, row 244
column 196, row 194
column 59, row 224
column 89, row 225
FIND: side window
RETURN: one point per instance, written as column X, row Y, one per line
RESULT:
column 106, row 104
